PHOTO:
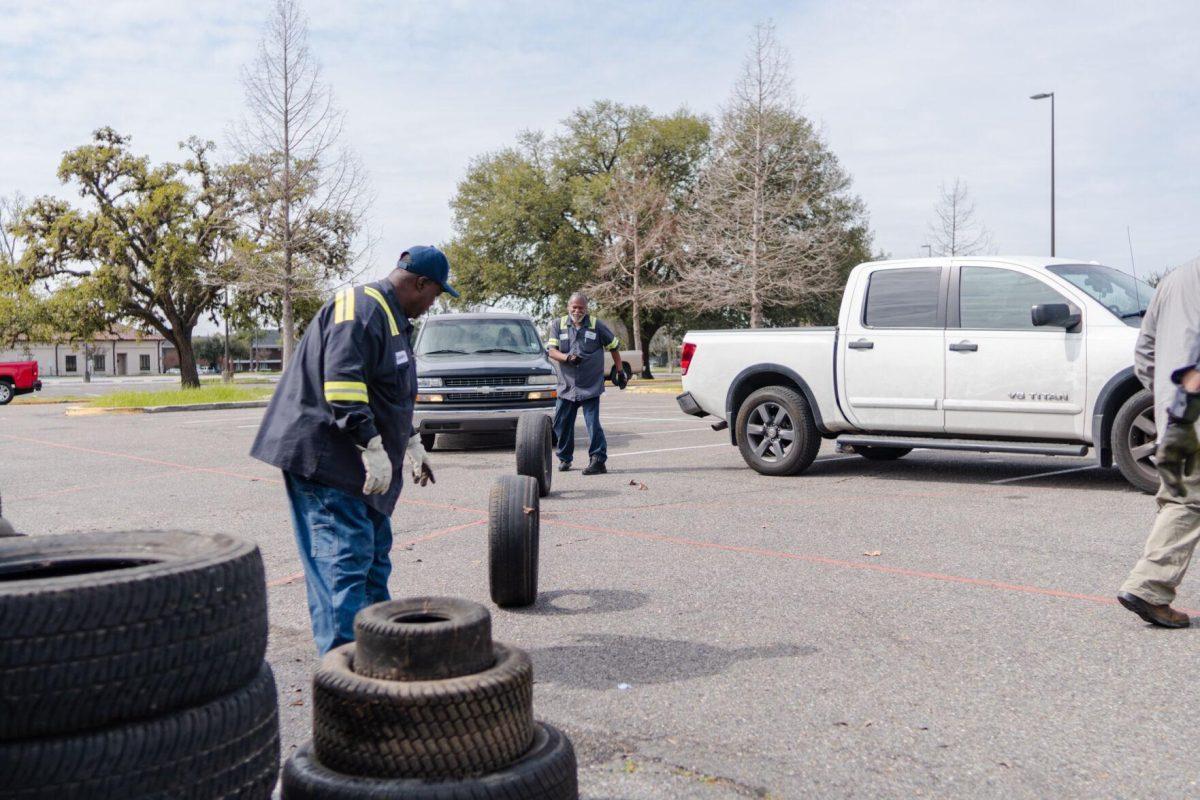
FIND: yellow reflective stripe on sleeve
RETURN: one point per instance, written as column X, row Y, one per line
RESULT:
column 343, row 306
column 346, row 391
column 375, row 293
column 552, row 342
column 614, row 343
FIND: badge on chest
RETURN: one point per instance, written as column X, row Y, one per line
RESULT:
column 589, row 335
column 401, row 358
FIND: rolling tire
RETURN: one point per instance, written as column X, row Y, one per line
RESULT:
column 6, row 393
column 546, row 771
column 513, row 534
column 422, row 639
column 427, row 440
column 102, row 628
column 535, row 450
column 776, row 432
column 454, row 728
column 225, row 748
column 882, row 453
column 1133, row 441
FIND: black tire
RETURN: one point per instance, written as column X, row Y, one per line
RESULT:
column 1133, row 441
column 535, row 450
column 628, row 370
column 427, row 440
column 101, row 628
column 422, row 639
column 6, row 393
column 882, row 453
column 226, row 748
column 780, row 455
column 455, row 728
column 547, row 771
column 513, row 536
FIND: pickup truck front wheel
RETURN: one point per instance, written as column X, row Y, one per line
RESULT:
column 1134, row 439
column 6, row 393
column 776, row 432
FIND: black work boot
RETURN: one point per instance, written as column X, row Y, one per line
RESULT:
column 595, row 467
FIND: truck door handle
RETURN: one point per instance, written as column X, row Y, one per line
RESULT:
column 862, row 344
column 964, row 347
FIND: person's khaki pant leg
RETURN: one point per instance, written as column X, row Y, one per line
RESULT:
column 1169, row 547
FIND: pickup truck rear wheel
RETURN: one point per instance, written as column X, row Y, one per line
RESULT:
column 776, row 432
column 1134, row 439
column 6, row 393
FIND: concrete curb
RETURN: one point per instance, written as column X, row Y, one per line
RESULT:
column 78, row 411
column 672, row 390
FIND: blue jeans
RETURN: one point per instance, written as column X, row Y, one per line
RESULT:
column 564, row 429
column 344, row 546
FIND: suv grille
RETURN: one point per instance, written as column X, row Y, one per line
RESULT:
column 494, row 380
column 461, row 396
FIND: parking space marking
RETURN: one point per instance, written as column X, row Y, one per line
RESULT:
column 669, row 449
column 1046, row 474
column 856, row 565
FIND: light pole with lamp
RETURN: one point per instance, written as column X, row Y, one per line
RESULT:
column 1043, row 96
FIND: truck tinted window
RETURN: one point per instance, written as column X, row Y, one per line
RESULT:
column 903, row 298
column 1000, row 299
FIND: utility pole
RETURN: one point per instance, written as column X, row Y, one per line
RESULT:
column 228, row 370
column 1043, row 96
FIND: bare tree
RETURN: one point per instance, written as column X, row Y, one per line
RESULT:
column 639, row 234
column 309, row 194
column 769, row 223
column 956, row 231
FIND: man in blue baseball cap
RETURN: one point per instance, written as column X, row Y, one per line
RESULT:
column 339, row 426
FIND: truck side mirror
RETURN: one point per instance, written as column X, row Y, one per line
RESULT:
column 1055, row 315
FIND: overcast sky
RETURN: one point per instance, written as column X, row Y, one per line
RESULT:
column 909, row 93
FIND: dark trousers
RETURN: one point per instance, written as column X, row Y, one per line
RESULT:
column 564, row 429
column 345, row 548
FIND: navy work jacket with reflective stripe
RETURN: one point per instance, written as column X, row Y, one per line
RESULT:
column 589, row 341
column 352, row 378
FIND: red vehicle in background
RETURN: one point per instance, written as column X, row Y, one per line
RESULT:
column 18, row 377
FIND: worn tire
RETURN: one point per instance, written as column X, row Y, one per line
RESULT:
column 806, row 442
column 422, row 639
column 102, row 628
column 546, row 771
column 535, row 450
column 882, row 453
column 1124, row 432
column 227, row 748
column 455, row 728
column 513, row 540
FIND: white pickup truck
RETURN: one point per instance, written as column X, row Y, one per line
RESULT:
column 997, row 354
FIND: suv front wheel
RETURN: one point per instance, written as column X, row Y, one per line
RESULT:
column 776, row 432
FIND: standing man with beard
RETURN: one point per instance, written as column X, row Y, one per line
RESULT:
column 339, row 426
column 577, row 342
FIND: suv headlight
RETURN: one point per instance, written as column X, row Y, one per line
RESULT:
column 542, row 380
column 428, row 383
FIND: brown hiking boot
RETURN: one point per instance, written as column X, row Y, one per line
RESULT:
column 1164, row 616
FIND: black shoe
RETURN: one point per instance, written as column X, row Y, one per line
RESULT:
column 564, row 466
column 595, row 468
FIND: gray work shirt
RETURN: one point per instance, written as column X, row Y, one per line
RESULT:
column 588, row 340
column 1169, row 343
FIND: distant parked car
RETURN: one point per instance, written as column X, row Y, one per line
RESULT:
column 16, row 378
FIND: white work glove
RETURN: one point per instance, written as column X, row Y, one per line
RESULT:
column 420, row 464
column 378, row 466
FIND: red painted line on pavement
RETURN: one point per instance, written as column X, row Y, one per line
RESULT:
column 427, row 537
column 835, row 562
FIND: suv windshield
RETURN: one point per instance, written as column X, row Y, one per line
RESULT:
column 1120, row 293
column 467, row 336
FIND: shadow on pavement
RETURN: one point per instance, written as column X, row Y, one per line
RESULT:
column 570, row 602
column 602, row 661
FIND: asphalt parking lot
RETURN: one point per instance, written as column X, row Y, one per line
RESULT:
column 940, row 626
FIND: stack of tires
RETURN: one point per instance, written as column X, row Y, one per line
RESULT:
column 425, row 706
column 131, row 666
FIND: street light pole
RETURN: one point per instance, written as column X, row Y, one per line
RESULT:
column 1043, row 96
column 928, row 250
